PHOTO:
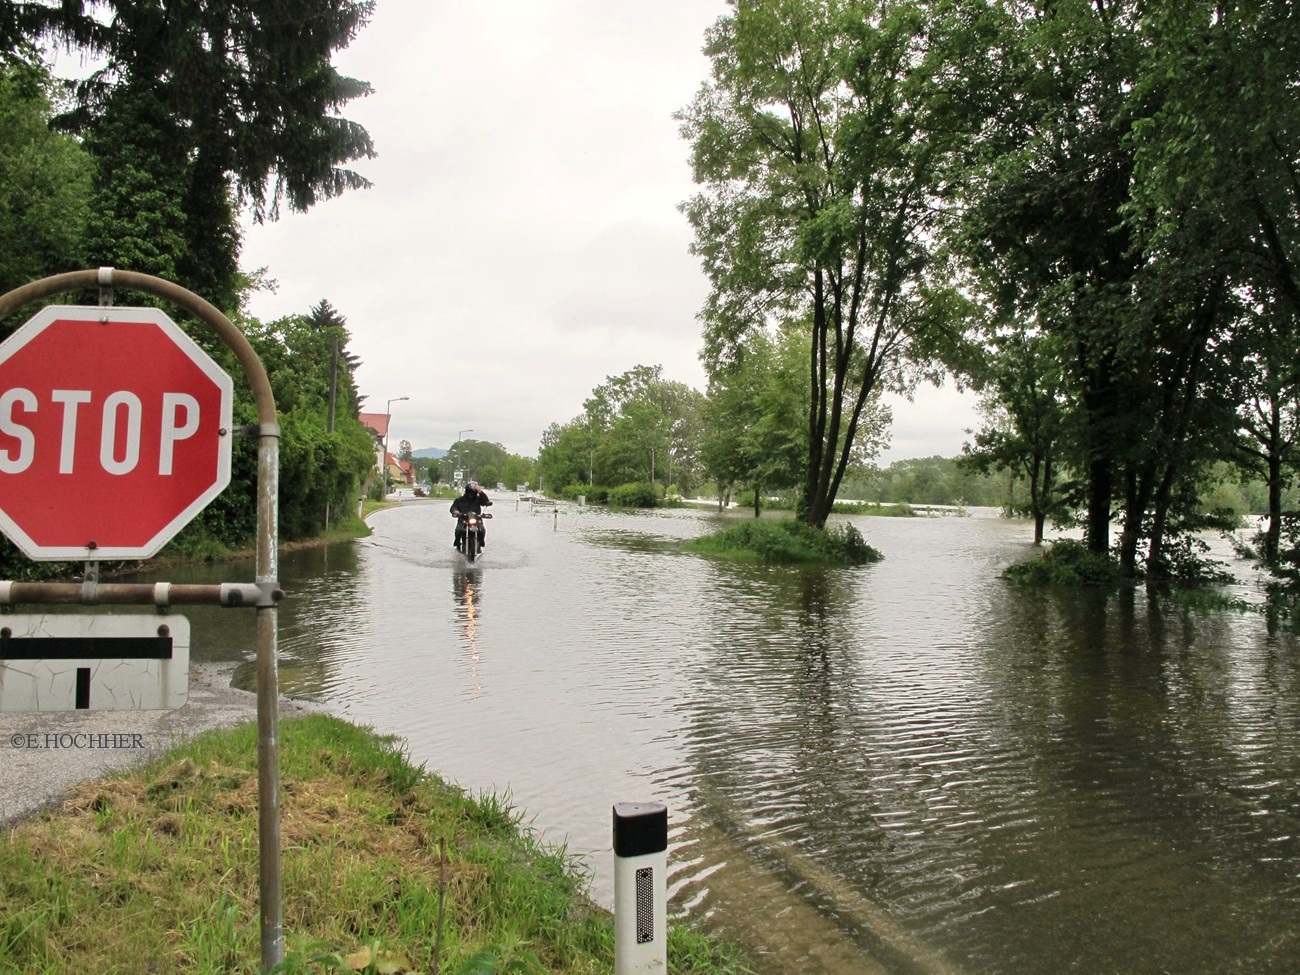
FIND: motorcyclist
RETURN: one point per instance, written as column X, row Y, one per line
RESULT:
column 473, row 501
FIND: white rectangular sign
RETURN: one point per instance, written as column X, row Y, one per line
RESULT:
column 68, row 662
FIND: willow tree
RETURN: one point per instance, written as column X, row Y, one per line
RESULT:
column 817, row 181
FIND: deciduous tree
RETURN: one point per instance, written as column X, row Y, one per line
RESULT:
column 44, row 183
column 756, row 416
column 817, row 176
column 1025, row 417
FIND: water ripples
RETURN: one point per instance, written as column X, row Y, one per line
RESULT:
column 909, row 767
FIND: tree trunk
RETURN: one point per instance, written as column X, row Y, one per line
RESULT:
column 1176, row 419
column 1136, row 497
column 1033, row 468
column 1273, row 536
column 817, row 408
column 1101, row 407
column 1097, row 527
column 1036, row 509
column 1040, row 512
column 1157, row 567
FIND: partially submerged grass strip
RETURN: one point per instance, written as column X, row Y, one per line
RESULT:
column 386, row 868
column 786, row 540
column 875, row 509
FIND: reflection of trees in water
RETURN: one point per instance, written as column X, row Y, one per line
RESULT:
column 776, row 735
column 1127, row 682
column 832, row 764
column 1161, row 732
column 1013, row 774
column 316, row 622
column 467, row 595
column 775, row 724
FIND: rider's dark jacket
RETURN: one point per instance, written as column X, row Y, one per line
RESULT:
column 473, row 500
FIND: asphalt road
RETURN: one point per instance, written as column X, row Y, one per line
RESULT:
column 42, row 755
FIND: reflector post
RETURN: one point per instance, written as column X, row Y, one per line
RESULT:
column 640, row 888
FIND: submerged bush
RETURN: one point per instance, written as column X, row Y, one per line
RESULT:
column 1067, row 563
column 634, row 496
column 787, row 541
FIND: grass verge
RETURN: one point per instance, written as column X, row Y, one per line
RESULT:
column 786, row 541
column 386, row 868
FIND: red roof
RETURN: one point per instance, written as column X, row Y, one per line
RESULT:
column 376, row 423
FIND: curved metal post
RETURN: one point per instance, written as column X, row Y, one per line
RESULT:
column 268, row 489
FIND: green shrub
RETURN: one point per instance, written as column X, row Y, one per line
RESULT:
column 635, row 496
column 1067, row 563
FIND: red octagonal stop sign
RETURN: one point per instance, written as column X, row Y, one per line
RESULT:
column 114, row 432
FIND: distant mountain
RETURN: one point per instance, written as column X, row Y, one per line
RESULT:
column 429, row 452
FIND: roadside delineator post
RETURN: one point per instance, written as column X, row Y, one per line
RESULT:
column 640, row 888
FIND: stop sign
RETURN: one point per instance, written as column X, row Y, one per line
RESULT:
column 114, row 432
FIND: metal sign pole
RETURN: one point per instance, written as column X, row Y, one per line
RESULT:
column 263, row 595
column 268, row 700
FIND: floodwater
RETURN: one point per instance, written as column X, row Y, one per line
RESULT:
column 907, row 768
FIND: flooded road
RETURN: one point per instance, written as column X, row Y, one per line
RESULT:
column 908, row 767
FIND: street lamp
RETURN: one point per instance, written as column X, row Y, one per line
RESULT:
column 459, row 437
column 388, row 412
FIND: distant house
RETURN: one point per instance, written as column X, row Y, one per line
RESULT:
column 377, row 424
column 400, row 471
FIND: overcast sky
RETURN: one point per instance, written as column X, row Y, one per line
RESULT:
column 522, row 240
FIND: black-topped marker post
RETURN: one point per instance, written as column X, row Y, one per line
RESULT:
column 640, row 888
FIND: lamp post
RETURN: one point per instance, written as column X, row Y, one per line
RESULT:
column 459, row 437
column 388, row 412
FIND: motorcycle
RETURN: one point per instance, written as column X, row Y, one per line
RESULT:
column 468, row 529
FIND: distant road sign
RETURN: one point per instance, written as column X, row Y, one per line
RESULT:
column 115, row 431
column 96, row 663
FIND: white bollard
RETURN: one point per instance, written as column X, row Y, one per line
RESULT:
column 640, row 888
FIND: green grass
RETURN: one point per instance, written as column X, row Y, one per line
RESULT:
column 385, row 868
column 369, row 506
column 786, row 541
